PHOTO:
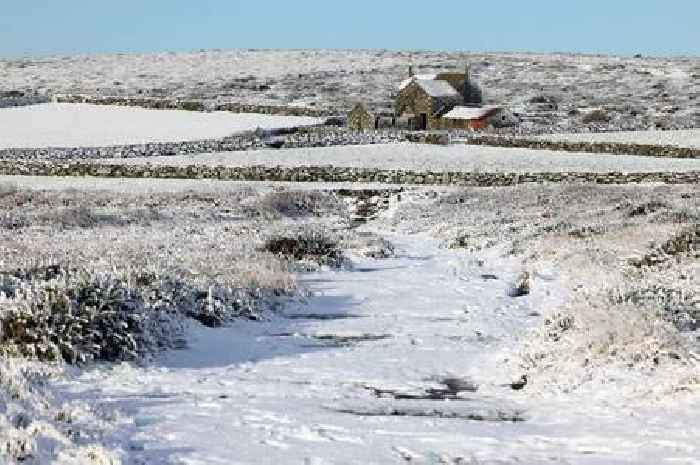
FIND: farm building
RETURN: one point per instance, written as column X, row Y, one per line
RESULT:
column 360, row 118
column 442, row 101
column 475, row 118
column 425, row 98
column 423, row 101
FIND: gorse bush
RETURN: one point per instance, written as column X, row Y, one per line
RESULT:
column 78, row 316
column 308, row 244
column 296, row 204
column 82, row 316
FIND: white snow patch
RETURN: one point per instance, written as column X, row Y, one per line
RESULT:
column 76, row 125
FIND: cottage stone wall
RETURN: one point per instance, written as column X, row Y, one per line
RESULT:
column 359, row 119
column 412, row 99
column 456, row 80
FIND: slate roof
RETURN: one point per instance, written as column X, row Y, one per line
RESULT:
column 420, row 77
column 438, row 88
column 470, row 113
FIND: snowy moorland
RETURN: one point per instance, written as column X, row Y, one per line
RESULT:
column 531, row 324
column 409, row 156
column 681, row 138
column 76, row 125
column 554, row 91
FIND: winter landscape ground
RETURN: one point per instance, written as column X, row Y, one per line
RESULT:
column 552, row 90
column 204, row 321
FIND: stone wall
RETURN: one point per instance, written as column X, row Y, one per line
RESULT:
column 331, row 136
column 301, row 137
column 586, row 147
column 335, row 174
column 8, row 101
column 192, row 105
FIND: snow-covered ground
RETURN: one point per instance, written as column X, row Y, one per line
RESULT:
column 635, row 92
column 404, row 359
column 679, row 138
column 340, row 382
column 428, row 157
column 136, row 186
column 76, row 125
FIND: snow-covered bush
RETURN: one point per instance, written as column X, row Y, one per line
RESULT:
column 54, row 314
column 309, row 244
column 593, row 339
column 35, row 429
column 296, row 204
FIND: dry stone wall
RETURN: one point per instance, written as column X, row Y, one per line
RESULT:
column 9, row 101
column 586, row 147
column 303, row 137
column 335, row 174
column 192, row 105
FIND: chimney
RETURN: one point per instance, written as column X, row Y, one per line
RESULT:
column 467, row 91
column 410, row 71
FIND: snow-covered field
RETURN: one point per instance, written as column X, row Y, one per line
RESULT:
column 278, row 392
column 636, row 92
column 679, row 138
column 76, row 125
column 428, row 157
column 411, row 358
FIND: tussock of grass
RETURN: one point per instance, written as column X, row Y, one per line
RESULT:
column 307, row 245
column 297, row 204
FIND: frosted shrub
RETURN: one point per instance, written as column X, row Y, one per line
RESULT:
column 308, row 244
column 211, row 304
column 80, row 316
column 592, row 338
column 295, row 204
column 34, row 428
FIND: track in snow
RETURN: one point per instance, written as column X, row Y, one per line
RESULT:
column 344, row 380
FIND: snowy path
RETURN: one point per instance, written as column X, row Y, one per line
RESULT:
column 302, row 389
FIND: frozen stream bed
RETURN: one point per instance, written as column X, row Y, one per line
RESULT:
column 344, row 377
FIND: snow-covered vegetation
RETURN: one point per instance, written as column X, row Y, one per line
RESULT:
column 76, row 125
column 104, row 278
column 628, row 257
column 555, row 92
column 530, row 302
column 154, row 321
column 409, row 156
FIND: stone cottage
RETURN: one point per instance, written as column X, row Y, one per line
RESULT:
column 425, row 98
column 360, row 119
column 441, row 101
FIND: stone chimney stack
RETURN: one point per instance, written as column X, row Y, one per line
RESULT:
column 472, row 95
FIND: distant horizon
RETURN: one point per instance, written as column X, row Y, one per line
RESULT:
column 44, row 28
column 341, row 49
